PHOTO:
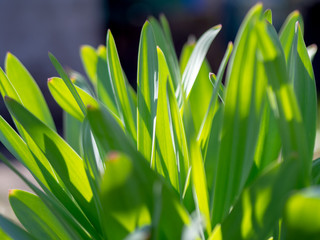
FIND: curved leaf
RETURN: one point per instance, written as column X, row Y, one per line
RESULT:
column 35, row 216
column 27, row 89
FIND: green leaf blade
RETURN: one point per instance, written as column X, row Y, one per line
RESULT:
column 147, row 91
column 27, row 89
column 121, row 88
column 245, row 96
column 61, row 156
column 89, row 60
column 35, row 216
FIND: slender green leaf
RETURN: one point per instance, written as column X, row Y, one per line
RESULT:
column 302, row 76
column 147, row 89
column 166, row 30
column 27, row 89
column 179, row 139
column 35, row 216
column 19, row 149
column 70, row 221
column 287, row 32
column 165, row 158
column 68, row 82
column 206, row 124
column 121, row 88
column 201, row 92
column 200, row 182
column 244, row 101
column 66, row 162
column 89, row 60
column 269, row 142
column 107, row 133
column 260, row 205
column 66, row 100
column 104, row 84
column 167, row 47
column 284, row 104
column 193, row 66
column 71, row 131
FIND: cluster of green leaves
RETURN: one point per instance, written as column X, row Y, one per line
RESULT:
column 184, row 156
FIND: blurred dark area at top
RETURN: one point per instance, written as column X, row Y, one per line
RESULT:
column 29, row 29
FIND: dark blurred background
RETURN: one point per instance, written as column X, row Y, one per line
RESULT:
column 29, row 29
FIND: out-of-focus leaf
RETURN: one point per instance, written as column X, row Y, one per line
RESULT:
column 121, row 88
column 35, row 216
column 301, row 217
column 312, row 50
column 104, row 85
column 89, row 60
column 14, row 231
column 166, row 30
column 287, row 30
column 66, row 100
column 27, row 89
column 108, row 133
column 166, row 45
column 302, row 77
column 195, row 61
column 123, row 196
column 244, row 101
column 65, row 161
column 147, row 89
column 269, row 141
column 268, row 15
column 260, row 205
column 315, row 174
column 165, row 158
column 143, row 233
column 285, row 105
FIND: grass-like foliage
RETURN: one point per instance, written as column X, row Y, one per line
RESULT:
column 183, row 157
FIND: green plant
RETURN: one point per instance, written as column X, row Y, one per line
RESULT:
column 184, row 157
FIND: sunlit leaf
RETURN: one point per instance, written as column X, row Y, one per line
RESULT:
column 89, row 60
column 147, row 90
column 27, row 89
column 301, row 217
column 120, row 88
column 244, row 101
column 35, row 216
